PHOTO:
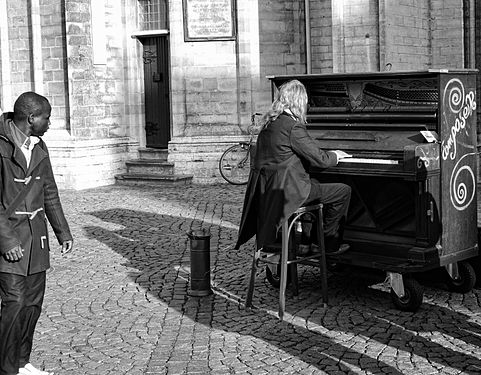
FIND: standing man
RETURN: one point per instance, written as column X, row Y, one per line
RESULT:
column 28, row 196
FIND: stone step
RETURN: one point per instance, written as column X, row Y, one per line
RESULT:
column 148, row 166
column 152, row 179
column 153, row 154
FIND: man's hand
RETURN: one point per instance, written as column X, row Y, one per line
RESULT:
column 15, row 254
column 67, row 246
column 341, row 154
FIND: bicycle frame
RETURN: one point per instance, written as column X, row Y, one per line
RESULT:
column 233, row 169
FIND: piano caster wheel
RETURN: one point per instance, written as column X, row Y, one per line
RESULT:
column 476, row 263
column 274, row 275
column 466, row 280
column 413, row 295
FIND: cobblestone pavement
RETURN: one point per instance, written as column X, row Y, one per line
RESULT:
column 119, row 304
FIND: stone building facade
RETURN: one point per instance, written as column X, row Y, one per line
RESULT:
column 93, row 60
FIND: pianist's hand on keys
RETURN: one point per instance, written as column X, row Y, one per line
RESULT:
column 341, row 154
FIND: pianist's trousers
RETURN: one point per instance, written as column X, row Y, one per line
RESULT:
column 22, row 298
column 335, row 197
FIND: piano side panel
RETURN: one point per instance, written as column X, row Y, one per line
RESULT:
column 458, row 204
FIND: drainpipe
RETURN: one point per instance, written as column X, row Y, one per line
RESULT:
column 307, row 16
column 472, row 35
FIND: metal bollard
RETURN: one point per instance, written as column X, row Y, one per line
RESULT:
column 199, row 262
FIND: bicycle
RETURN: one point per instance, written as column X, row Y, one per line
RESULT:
column 234, row 163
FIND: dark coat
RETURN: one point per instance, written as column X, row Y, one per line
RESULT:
column 279, row 182
column 17, row 229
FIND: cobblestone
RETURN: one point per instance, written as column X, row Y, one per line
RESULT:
column 120, row 303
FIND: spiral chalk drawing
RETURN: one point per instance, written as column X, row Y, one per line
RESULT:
column 462, row 186
column 460, row 106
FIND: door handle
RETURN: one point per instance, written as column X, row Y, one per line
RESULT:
column 157, row 77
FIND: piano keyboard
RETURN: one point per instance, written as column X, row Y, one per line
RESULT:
column 368, row 161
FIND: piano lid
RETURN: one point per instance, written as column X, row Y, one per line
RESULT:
column 364, row 99
column 397, row 74
column 387, row 97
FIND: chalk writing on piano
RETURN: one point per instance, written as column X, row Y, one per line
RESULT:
column 425, row 159
column 461, row 105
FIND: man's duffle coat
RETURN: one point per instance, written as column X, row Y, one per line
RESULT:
column 27, row 225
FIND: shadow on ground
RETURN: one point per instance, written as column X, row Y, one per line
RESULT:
column 359, row 330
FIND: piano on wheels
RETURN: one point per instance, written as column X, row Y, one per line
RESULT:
column 413, row 171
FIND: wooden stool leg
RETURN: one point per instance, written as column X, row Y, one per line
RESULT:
column 284, row 255
column 292, row 268
column 322, row 260
column 252, row 279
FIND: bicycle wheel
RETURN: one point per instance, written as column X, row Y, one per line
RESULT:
column 234, row 164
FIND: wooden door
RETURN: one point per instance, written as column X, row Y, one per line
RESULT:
column 156, row 83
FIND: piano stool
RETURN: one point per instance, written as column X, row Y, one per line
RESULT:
column 287, row 259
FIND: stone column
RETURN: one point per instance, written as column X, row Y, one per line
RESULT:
column 6, row 103
column 36, row 35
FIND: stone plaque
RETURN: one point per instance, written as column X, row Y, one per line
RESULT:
column 209, row 20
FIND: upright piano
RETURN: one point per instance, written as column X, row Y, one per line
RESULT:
column 413, row 170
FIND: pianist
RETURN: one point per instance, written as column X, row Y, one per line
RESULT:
column 279, row 182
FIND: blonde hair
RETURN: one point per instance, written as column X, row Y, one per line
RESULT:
column 292, row 95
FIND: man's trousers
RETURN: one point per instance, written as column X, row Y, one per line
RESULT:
column 21, row 305
column 336, row 198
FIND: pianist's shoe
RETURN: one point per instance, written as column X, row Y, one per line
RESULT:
column 342, row 249
column 303, row 250
column 334, row 245
column 272, row 248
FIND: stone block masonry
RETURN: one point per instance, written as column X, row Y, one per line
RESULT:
column 81, row 55
column 90, row 163
column 95, row 122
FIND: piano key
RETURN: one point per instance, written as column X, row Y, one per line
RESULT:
column 368, row 161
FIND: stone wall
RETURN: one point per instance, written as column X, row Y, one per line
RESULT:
column 405, row 35
column 20, row 64
column 282, row 37
column 95, row 93
column 55, row 85
column 213, row 82
column 217, row 85
column 355, row 39
column 321, row 36
column 368, row 35
column 97, row 85
column 90, row 68
column 447, row 34
column 213, row 98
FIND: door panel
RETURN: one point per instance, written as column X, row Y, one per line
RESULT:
column 156, row 83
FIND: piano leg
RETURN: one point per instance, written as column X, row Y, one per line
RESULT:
column 396, row 282
column 406, row 292
column 461, row 277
